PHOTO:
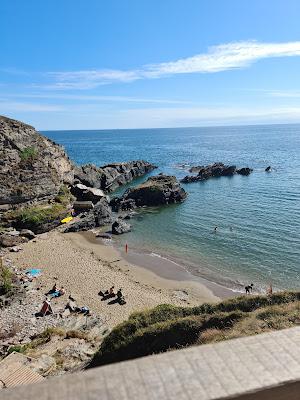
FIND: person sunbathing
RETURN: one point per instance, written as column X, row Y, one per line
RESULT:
column 107, row 294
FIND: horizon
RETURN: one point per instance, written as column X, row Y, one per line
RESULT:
column 170, row 127
column 143, row 65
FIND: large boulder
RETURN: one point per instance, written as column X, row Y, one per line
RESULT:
column 119, row 227
column 85, row 193
column 32, row 167
column 110, row 177
column 100, row 215
column 157, row 190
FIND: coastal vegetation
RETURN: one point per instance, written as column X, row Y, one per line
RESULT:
column 28, row 153
column 35, row 217
column 167, row 327
column 6, row 280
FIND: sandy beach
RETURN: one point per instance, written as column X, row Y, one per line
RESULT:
column 84, row 265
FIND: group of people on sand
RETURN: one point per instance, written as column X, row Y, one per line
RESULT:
column 70, row 307
column 110, row 293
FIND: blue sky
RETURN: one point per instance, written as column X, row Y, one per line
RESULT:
column 96, row 64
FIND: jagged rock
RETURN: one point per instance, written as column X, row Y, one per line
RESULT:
column 111, row 176
column 244, row 171
column 7, row 240
column 85, row 193
column 100, row 215
column 119, row 204
column 36, row 166
column 13, row 232
column 157, row 190
column 214, row 170
column 119, row 227
column 27, row 233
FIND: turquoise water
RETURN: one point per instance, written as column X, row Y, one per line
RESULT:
column 263, row 209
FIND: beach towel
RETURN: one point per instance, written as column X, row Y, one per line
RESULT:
column 34, row 272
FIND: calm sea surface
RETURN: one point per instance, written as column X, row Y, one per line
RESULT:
column 263, row 209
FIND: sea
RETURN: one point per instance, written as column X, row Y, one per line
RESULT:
column 258, row 216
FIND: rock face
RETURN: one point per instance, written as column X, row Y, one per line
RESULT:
column 100, row 215
column 214, row 170
column 111, row 176
column 36, row 166
column 157, row 190
column 119, row 227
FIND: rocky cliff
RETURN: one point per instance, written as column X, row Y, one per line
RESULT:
column 32, row 167
column 111, row 176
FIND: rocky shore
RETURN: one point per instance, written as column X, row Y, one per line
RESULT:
column 214, row 171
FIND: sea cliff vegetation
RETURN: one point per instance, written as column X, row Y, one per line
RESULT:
column 168, row 327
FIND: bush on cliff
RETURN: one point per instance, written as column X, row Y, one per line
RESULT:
column 29, row 153
column 39, row 218
column 169, row 327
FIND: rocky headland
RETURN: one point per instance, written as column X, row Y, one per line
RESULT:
column 44, row 185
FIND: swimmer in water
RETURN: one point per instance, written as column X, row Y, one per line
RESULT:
column 216, row 228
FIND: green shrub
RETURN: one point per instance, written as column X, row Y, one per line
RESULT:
column 29, row 153
column 168, row 327
column 35, row 216
column 64, row 196
column 160, row 336
column 6, row 280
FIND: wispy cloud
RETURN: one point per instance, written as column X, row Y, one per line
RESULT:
column 284, row 93
column 96, row 98
column 15, row 106
column 219, row 58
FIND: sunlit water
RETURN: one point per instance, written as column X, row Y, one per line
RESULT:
column 263, row 209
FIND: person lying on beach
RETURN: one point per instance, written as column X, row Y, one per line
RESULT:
column 58, row 292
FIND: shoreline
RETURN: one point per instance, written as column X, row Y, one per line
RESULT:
column 163, row 268
column 83, row 265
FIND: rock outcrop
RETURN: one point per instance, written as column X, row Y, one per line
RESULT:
column 157, row 190
column 120, row 226
column 111, row 176
column 85, row 193
column 213, row 171
column 100, row 215
column 32, row 167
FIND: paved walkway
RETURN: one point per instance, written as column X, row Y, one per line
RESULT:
column 269, row 363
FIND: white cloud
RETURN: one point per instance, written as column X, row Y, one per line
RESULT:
column 218, row 58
